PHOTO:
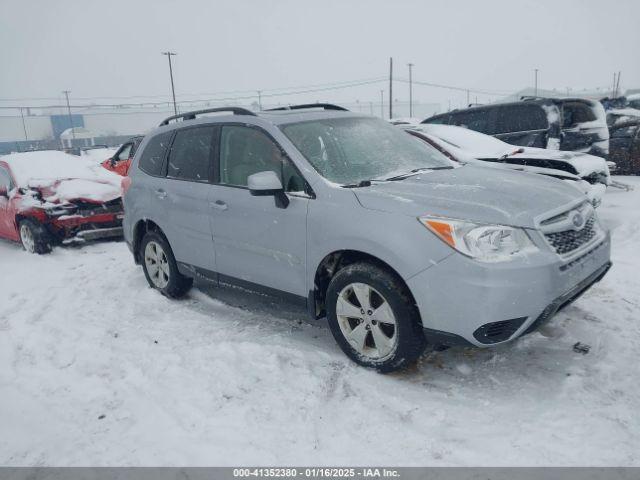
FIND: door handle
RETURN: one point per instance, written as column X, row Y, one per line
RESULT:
column 161, row 194
column 219, row 205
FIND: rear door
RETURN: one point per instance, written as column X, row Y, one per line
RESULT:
column 257, row 239
column 522, row 124
column 189, row 170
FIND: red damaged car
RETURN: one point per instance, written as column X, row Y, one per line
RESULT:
column 50, row 197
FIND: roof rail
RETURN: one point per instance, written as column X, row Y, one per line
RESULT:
column 326, row 106
column 192, row 115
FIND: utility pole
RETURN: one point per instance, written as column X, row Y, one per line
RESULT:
column 468, row 100
column 66, row 94
column 410, row 65
column 535, row 82
column 382, row 104
column 24, row 126
column 618, row 85
column 390, row 87
column 260, row 99
column 173, row 91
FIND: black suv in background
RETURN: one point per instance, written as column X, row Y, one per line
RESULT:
column 573, row 124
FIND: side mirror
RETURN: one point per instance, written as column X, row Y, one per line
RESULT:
column 4, row 192
column 268, row 183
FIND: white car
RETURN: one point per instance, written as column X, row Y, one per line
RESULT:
column 587, row 172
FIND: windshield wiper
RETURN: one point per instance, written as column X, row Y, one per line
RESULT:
column 362, row 183
column 417, row 170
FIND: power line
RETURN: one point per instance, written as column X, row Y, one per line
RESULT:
column 202, row 94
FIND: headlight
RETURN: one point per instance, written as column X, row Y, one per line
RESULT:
column 485, row 243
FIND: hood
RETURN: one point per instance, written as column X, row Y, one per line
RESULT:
column 72, row 190
column 584, row 163
column 472, row 193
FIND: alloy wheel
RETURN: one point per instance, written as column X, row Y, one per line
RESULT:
column 367, row 321
column 157, row 264
column 26, row 235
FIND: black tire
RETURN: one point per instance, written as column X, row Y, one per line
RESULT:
column 410, row 342
column 41, row 241
column 178, row 285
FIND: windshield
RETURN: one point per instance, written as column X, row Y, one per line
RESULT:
column 352, row 150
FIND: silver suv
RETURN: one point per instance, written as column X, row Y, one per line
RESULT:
column 396, row 245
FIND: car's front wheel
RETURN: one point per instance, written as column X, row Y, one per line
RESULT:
column 34, row 237
column 373, row 318
column 160, row 267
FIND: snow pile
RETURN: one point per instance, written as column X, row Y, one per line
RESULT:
column 63, row 177
column 98, row 369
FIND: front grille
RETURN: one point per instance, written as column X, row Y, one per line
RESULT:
column 571, row 240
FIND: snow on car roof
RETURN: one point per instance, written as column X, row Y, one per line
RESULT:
column 51, row 165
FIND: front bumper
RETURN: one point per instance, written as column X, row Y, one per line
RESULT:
column 462, row 301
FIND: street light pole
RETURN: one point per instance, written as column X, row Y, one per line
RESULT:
column 173, row 90
column 410, row 65
column 382, row 103
column 260, row 99
column 536, row 82
column 66, row 94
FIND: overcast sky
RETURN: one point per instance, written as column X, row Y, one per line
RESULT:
column 111, row 48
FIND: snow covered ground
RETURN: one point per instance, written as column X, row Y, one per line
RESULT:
column 98, row 369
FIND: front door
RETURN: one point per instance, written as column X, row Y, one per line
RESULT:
column 257, row 239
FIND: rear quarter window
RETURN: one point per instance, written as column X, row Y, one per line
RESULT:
column 152, row 156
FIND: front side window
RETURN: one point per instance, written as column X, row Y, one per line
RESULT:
column 245, row 151
column 439, row 120
column 190, row 155
column 154, row 153
column 124, row 153
column 477, row 120
column 350, row 150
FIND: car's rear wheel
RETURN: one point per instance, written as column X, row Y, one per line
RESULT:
column 34, row 237
column 160, row 267
column 373, row 318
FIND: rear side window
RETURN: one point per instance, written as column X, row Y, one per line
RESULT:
column 478, row 120
column 190, row 155
column 575, row 113
column 154, row 153
column 521, row 118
